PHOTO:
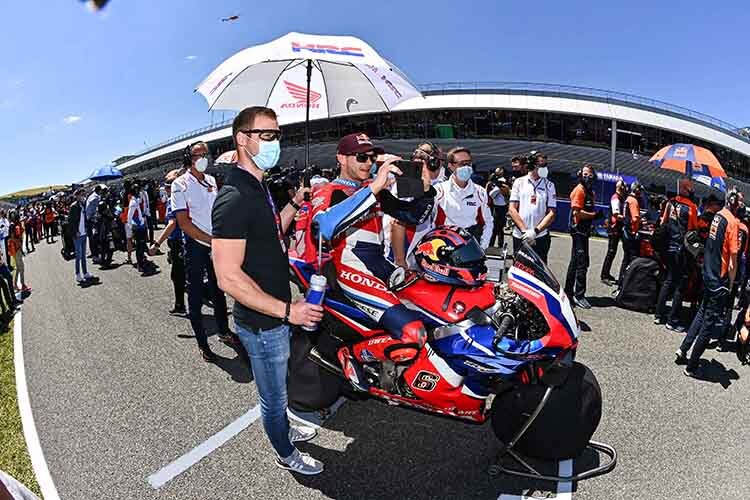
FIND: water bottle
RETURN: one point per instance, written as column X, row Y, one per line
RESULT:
column 315, row 295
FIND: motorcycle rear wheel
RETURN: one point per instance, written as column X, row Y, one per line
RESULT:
column 565, row 424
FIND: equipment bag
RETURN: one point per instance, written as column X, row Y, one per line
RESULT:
column 640, row 286
column 309, row 386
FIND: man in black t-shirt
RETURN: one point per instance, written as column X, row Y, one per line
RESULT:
column 250, row 258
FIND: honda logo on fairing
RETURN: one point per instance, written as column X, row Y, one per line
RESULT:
column 363, row 280
column 316, row 48
column 299, row 93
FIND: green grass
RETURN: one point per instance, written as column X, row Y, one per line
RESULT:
column 31, row 192
column 14, row 458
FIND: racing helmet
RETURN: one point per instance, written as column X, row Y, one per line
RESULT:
column 452, row 256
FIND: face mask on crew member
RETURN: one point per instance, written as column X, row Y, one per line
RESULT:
column 202, row 164
column 464, row 172
column 543, row 172
column 268, row 154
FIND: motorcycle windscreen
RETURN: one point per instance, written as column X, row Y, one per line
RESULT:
column 527, row 260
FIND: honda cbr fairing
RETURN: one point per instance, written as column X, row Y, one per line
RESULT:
column 465, row 358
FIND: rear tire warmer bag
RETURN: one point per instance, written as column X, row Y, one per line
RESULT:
column 640, row 286
column 565, row 425
column 310, row 387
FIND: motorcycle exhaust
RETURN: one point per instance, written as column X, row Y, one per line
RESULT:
column 315, row 356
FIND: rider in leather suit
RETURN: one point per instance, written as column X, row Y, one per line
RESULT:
column 348, row 212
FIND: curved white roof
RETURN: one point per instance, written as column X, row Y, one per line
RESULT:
column 509, row 99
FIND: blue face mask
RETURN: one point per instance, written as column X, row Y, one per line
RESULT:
column 268, row 155
column 463, row 173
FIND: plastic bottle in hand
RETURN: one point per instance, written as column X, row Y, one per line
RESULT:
column 316, row 294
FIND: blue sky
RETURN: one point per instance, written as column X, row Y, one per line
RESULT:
column 79, row 89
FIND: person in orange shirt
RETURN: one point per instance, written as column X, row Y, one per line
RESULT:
column 582, row 214
column 15, row 250
column 679, row 216
column 719, row 272
column 631, row 226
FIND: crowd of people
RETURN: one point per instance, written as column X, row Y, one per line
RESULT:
column 229, row 236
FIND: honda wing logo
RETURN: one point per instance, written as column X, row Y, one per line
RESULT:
column 299, row 94
column 327, row 49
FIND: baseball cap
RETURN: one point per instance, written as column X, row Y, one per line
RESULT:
column 357, row 143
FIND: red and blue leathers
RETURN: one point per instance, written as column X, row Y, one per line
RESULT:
column 350, row 218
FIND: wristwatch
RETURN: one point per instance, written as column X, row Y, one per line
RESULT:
column 286, row 313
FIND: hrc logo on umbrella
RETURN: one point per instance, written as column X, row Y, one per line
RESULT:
column 299, row 93
column 680, row 152
column 327, row 49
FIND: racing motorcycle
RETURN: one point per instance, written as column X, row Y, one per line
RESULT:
column 498, row 351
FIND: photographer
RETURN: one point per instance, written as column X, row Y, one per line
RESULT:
column 582, row 214
column 498, row 190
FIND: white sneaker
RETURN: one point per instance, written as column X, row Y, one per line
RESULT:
column 301, row 463
column 79, row 279
column 301, row 434
column 88, row 276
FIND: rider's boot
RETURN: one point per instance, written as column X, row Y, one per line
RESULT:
column 352, row 370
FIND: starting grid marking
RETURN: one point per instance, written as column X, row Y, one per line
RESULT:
column 564, row 488
column 180, row 465
column 30, row 434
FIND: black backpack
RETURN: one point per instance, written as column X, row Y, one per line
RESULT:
column 640, row 286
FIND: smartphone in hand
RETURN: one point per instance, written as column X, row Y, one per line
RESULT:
column 409, row 184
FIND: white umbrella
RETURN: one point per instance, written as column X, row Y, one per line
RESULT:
column 305, row 76
column 227, row 157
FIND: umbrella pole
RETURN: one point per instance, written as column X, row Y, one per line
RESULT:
column 307, row 115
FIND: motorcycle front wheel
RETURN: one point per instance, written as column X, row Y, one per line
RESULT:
column 565, row 424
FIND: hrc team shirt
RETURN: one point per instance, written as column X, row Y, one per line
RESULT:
column 722, row 244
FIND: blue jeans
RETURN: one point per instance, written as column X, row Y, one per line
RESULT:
column 269, row 356
column 197, row 265
column 709, row 323
column 80, row 246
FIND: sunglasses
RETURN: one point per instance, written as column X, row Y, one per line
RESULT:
column 265, row 134
column 363, row 157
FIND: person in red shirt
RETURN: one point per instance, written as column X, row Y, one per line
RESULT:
column 582, row 214
column 719, row 273
column 679, row 216
column 631, row 226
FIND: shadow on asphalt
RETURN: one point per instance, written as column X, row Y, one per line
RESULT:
column 715, row 372
column 602, row 301
column 423, row 457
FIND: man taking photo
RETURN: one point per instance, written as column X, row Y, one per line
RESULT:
column 252, row 266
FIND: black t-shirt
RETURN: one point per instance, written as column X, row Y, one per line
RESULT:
column 244, row 210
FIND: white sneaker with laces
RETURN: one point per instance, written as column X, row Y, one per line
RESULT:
column 301, row 434
column 301, row 463
column 88, row 276
column 79, row 279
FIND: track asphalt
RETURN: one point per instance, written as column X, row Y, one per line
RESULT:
column 118, row 391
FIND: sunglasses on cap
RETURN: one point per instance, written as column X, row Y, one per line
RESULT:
column 265, row 134
column 363, row 157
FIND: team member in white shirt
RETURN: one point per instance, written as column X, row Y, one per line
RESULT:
column 192, row 200
column 533, row 203
column 401, row 239
column 4, row 229
column 460, row 202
